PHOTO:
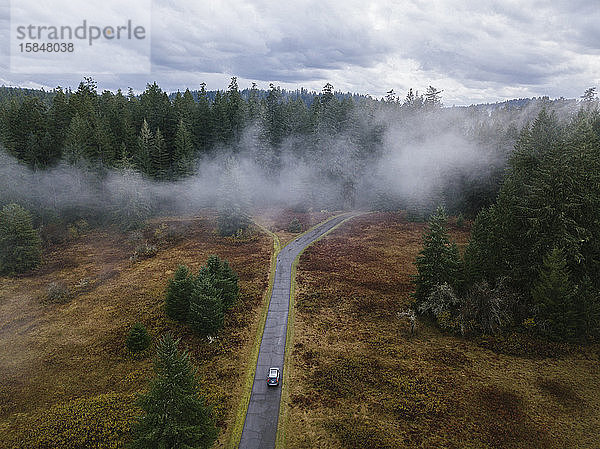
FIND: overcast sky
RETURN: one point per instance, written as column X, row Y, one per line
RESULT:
column 476, row 51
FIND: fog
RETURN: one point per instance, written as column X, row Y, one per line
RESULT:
column 415, row 161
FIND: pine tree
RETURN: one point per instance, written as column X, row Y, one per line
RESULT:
column 236, row 109
column 130, row 206
column 176, row 417
column 184, row 149
column 433, row 98
column 206, row 308
column 138, row 338
column 20, row 244
column 202, row 125
column 233, row 216
column 144, row 150
column 553, row 293
column 179, row 293
column 439, row 260
column 160, row 160
column 223, row 278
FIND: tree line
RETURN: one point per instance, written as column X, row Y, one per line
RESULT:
column 533, row 255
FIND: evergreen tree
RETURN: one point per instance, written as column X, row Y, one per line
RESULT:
column 220, row 124
column 433, row 98
column 439, row 260
column 206, row 315
column 184, row 107
column 79, row 141
column 203, row 130
column 130, row 206
column 223, row 278
column 553, row 293
column 236, row 109
column 254, row 108
column 179, row 293
column 138, row 338
column 233, row 215
column 273, row 122
column 144, row 150
column 159, row 159
column 176, row 417
column 184, row 150
column 587, row 303
column 20, row 244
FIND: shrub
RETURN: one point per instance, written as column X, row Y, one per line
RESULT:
column 144, row 251
column 460, row 221
column 485, row 310
column 295, row 226
column 231, row 223
column 20, row 244
column 100, row 422
column 138, row 338
column 58, row 293
column 179, row 291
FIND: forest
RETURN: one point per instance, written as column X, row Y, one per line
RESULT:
column 526, row 171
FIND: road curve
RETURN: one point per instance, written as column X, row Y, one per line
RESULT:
column 260, row 425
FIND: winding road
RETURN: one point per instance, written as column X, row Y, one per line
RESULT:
column 260, row 425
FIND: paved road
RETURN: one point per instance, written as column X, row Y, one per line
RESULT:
column 260, row 426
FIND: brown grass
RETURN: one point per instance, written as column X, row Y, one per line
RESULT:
column 54, row 353
column 358, row 379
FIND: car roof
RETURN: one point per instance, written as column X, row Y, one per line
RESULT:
column 273, row 371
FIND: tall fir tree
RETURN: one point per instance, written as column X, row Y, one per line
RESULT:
column 184, row 150
column 439, row 260
column 175, row 415
column 144, row 150
column 179, row 293
column 20, row 244
column 223, row 278
column 554, row 293
column 202, row 124
column 206, row 314
column 160, row 160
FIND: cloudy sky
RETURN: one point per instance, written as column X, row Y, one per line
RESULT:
column 476, row 51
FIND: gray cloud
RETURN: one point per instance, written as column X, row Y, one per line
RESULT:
column 476, row 51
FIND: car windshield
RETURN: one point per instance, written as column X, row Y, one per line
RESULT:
column 273, row 372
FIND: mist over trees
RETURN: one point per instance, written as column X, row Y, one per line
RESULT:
column 525, row 170
column 79, row 152
column 538, row 243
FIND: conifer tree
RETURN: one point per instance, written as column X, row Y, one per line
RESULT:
column 202, row 124
column 160, row 159
column 179, row 293
column 138, row 338
column 439, row 260
column 20, row 244
column 223, row 278
column 233, row 216
column 206, row 313
column 144, row 150
column 553, row 293
column 184, row 149
column 175, row 417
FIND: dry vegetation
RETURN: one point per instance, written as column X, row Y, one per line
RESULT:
column 359, row 380
column 66, row 379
